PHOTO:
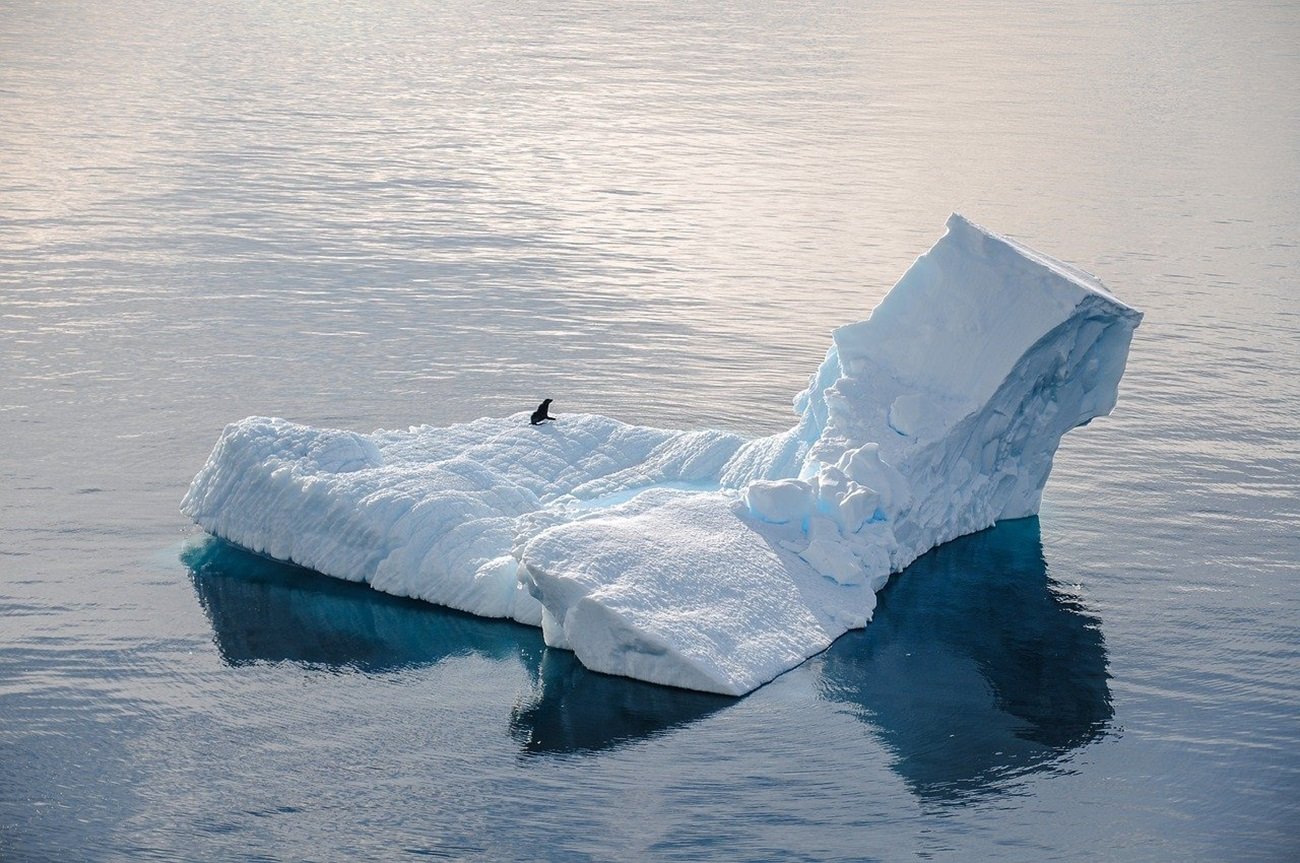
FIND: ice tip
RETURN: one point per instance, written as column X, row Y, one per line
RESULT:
column 960, row 225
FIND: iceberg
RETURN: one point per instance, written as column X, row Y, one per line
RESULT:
column 699, row 559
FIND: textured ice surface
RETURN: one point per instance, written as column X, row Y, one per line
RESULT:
column 698, row 559
column 433, row 513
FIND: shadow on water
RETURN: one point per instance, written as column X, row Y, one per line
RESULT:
column 263, row 610
column 574, row 709
column 975, row 669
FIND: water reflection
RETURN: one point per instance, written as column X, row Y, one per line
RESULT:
column 574, row 709
column 975, row 669
column 263, row 610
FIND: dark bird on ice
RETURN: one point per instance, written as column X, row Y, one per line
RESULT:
column 540, row 415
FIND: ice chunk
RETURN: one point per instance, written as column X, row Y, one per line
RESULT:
column 635, row 589
column 780, row 501
column 697, row 559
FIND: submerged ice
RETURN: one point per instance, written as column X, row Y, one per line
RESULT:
column 700, row 559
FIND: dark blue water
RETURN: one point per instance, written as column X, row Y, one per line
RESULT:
column 365, row 216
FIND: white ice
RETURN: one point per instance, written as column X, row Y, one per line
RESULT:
column 698, row 559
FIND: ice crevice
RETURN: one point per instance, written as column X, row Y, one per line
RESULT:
column 700, row 559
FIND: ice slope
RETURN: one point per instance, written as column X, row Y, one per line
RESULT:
column 697, row 559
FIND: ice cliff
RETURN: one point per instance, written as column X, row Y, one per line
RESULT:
column 699, row 559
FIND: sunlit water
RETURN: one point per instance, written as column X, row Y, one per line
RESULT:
column 364, row 215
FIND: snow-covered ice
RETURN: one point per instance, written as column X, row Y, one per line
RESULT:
column 699, row 559
column 434, row 513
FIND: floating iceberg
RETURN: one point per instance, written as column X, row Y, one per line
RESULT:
column 700, row 559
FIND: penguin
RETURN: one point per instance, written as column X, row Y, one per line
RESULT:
column 540, row 415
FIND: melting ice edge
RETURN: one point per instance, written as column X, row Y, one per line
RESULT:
column 700, row 559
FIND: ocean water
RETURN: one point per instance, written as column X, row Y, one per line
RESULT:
column 376, row 215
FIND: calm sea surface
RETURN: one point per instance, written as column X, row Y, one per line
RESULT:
column 373, row 215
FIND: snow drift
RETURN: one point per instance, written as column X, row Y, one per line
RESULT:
column 699, row 559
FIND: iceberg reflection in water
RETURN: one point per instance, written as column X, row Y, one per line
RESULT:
column 264, row 610
column 975, row 669
column 575, row 709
